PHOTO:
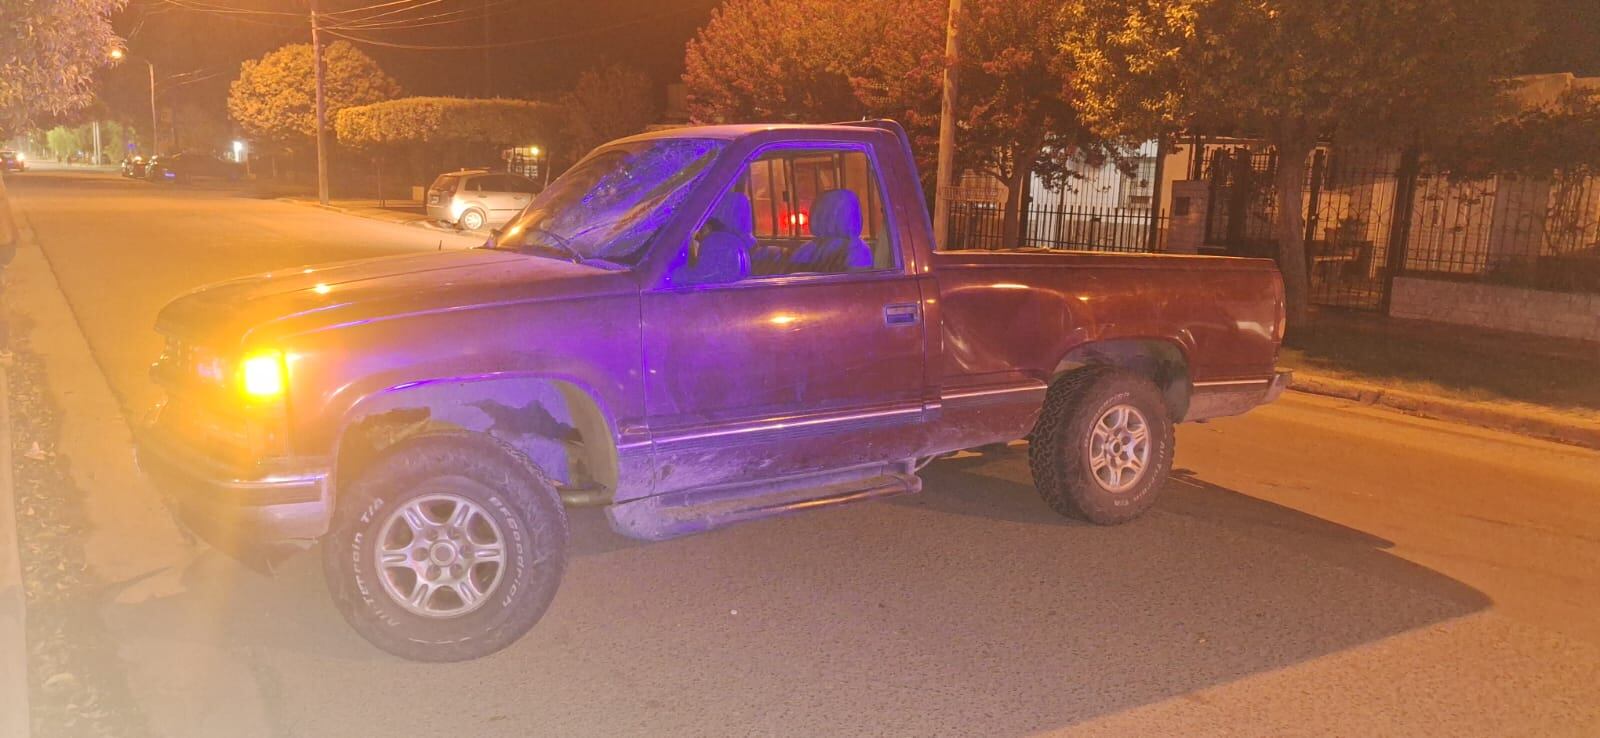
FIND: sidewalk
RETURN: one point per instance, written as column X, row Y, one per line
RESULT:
column 14, row 710
column 103, row 549
column 1532, row 385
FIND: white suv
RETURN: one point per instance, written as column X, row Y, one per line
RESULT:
column 474, row 199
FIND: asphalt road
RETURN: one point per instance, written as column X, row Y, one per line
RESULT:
column 1315, row 568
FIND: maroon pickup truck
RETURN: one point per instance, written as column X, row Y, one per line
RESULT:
column 691, row 328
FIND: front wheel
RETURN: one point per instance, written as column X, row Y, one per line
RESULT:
column 1103, row 446
column 446, row 550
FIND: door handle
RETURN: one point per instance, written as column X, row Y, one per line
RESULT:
column 904, row 313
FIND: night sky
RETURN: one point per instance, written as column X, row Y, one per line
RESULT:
column 189, row 37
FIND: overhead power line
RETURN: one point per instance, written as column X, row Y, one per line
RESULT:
column 504, row 44
column 460, row 15
column 226, row 10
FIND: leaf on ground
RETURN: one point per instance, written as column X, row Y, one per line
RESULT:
column 36, row 453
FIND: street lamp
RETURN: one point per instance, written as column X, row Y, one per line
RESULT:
column 119, row 55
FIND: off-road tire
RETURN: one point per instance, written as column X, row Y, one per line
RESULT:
column 524, row 505
column 473, row 215
column 1058, row 452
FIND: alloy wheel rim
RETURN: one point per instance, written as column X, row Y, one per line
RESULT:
column 440, row 555
column 1119, row 448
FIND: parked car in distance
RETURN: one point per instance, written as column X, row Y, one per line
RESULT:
column 189, row 166
column 133, row 166
column 692, row 328
column 474, row 199
column 13, row 161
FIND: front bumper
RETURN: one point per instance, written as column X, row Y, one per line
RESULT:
column 230, row 509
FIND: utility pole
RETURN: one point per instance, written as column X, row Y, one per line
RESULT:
column 322, row 107
column 488, row 67
column 947, row 131
column 155, row 129
column 96, row 157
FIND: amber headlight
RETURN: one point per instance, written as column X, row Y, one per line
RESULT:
column 261, row 375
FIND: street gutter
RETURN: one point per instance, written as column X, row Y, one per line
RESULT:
column 1534, row 423
column 14, row 710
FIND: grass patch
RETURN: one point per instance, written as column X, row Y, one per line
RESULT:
column 1455, row 362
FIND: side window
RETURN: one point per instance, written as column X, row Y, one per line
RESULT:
column 807, row 211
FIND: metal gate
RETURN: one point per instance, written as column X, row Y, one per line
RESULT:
column 1355, row 202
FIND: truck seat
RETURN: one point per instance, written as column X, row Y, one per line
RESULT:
column 723, row 258
column 733, row 215
column 837, row 244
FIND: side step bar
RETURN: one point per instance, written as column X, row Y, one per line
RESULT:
column 687, row 512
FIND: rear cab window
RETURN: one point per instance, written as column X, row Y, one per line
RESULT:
column 809, row 210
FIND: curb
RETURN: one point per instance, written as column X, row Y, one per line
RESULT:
column 14, row 711
column 1527, row 423
column 408, row 221
column 352, row 211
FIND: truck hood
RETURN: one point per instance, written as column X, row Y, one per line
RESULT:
column 296, row 300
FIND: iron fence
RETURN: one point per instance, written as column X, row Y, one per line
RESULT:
column 981, row 225
column 1529, row 232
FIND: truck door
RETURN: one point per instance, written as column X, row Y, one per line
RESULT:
column 806, row 354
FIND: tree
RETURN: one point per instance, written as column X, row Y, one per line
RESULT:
column 63, row 142
column 1558, row 141
column 274, row 98
column 1015, row 116
column 1376, row 71
column 606, row 103
column 49, row 52
column 827, row 60
column 776, row 61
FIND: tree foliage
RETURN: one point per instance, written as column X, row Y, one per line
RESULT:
column 1549, row 142
column 1370, row 71
column 777, row 61
column 428, row 120
column 63, row 142
column 49, row 52
column 607, row 102
column 274, row 98
column 1014, row 115
column 829, row 60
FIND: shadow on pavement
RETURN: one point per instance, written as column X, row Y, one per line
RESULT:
column 969, row 609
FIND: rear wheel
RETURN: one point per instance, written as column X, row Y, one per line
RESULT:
column 1103, row 446
column 446, row 549
column 473, row 220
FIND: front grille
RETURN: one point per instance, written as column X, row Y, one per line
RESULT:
column 184, row 362
column 204, row 412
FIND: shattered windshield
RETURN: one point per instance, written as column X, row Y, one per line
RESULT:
column 606, row 208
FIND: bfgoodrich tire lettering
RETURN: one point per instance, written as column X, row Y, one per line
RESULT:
column 1062, row 447
column 524, row 508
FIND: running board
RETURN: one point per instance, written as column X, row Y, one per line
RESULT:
column 687, row 512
